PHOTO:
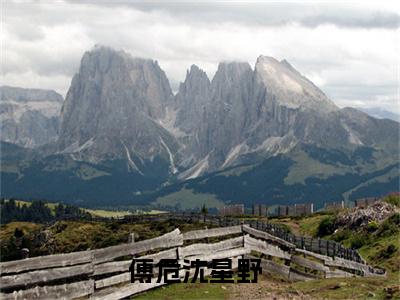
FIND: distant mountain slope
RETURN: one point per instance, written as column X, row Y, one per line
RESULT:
column 381, row 113
column 29, row 117
column 306, row 174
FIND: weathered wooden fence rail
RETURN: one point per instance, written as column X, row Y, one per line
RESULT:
column 321, row 246
column 95, row 274
column 326, row 247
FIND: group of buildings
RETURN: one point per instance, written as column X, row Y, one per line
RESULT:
column 261, row 210
column 362, row 202
column 231, row 210
column 296, row 210
column 303, row 209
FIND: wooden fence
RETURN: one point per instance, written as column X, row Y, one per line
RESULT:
column 321, row 246
column 326, row 247
column 104, row 273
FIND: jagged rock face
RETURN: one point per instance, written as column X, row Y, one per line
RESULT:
column 213, row 115
column 191, row 100
column 226, row 118
column 248, row 114
column 29, row 117
column 251, row 115
column 112, row 106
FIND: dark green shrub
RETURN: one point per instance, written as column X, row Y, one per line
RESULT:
column 390, row 226
column 286, row 228
column 393, row 199
column 372, row 226
column 388, row 252
column 18, row 233
column 341, row 235
column 359, row 240
column 114, row 226
column 326, row 227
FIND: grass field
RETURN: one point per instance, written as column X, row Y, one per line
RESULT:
column 306, row 226
column 107, row 213
column 187, row 199
column 97, row 212
column 270, row 287
column 8, row 230
column 195, row 291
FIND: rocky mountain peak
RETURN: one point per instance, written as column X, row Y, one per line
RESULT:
column 196, row 80
column 194, row 71
column 191, row 99
column 231, row 71
column 144, row 77
column 231, row 81
column 289, row 87
column 113, row 104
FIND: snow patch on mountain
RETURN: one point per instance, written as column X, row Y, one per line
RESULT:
column 131, row 163
column 277, row 144
column 173, row 168
column 352, row 135
column 234, row 154
column 197, row 170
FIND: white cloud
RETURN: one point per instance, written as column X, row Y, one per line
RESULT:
column 351, row 53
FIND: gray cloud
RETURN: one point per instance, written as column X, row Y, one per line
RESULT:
column 310, row 14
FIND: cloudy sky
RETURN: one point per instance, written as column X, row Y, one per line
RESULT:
column 349, row 49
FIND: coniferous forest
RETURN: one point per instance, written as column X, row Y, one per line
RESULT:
column 38, row 212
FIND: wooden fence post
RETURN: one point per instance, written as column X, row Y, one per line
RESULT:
column 319, row 245
column 178, row 253
column 131, row 238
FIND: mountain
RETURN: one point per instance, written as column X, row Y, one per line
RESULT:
column 289, row 87
column 266, row 134
column 252, row 115
column 380, row 113
column 29, row 117
column 112, row 107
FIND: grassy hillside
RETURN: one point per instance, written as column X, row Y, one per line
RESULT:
column 69, row 236
column 377, row 241
column 309, row 175
column 379, row 245
column 187, row 199
column 275, row 288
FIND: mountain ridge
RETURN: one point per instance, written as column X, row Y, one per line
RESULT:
column 29, row 117
column 122, row 126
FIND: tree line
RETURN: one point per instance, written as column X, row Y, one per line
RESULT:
column 38, row 212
